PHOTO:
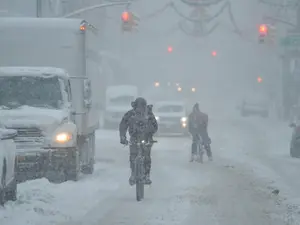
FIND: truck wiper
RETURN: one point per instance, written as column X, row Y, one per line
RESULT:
column 42, row 106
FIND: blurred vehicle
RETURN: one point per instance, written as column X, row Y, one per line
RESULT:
column 8, row 183
column 171, row 117
column 255, row 104
column 118, row 102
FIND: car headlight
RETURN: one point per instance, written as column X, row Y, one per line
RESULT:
column 63, row 137
column 157, row 118
column 183, row 119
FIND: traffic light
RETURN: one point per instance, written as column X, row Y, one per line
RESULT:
column 263, row 30
column 170, row 49
column 214, row 53
column 259, row 79
column 129, row 21
column 267, row 34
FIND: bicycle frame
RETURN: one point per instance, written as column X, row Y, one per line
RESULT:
column 139, row 162
column 139, row 169
column 199, row 148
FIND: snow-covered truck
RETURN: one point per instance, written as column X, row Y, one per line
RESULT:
column 49, row 84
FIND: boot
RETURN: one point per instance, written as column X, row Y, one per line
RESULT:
column 209, row 153
column 148, row 181
column 192, row 157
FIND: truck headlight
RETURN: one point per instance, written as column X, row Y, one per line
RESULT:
column 183, row 119
column 63, row 137
column 157, row 118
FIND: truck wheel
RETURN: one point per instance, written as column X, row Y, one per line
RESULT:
column 3, row 185
column 89, row 168
column 73, row 171
column 11, row 194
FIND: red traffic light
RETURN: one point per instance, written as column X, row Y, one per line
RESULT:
column 214, row 53
column 263, row 29
column 259, row 79
column 170, row 49
column 125, row 16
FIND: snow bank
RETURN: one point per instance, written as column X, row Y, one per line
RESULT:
column 41, row 202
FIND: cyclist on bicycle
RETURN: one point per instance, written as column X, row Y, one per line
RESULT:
column 197, row 124
column 147, row 126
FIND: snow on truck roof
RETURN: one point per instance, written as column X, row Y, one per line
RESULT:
column 57, row 23
column 33, row 71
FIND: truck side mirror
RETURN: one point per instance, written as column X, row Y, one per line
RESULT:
column 87, row 93
column 7, row 134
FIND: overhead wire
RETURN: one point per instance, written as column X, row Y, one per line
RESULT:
column 207, row 20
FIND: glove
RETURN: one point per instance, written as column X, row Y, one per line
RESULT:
column 123, row 140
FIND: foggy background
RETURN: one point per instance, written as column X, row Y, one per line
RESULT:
column 142, row 57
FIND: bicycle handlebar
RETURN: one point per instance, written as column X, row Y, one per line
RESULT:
column 142, row 142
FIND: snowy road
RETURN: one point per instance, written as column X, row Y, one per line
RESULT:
column 250, row 161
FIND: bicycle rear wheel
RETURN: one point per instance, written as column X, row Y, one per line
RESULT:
column 139, row 191
column 142, row 181
column 139, row 186
column 200, row 153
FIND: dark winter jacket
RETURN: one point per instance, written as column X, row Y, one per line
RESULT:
column 137, row 125
column 197, row 124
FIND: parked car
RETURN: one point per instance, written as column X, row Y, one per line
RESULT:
column 8, row 183
column 171, row 117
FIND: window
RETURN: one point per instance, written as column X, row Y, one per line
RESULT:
column 17, row 91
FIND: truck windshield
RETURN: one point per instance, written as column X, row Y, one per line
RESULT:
column 41, row 92
column 122, row 100
column 170, row 108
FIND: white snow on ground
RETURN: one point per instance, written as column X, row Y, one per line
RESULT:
column 41, row 201
column 262, row 146
column 234, row 189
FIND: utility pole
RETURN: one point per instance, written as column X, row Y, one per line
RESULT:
column 38, row 8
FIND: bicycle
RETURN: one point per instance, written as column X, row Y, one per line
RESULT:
column 139, row 170
column 199, row 151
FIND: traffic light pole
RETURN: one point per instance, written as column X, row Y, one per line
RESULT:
column 90, row 8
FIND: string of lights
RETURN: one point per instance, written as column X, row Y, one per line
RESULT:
column 201, row 3
column 227, row 5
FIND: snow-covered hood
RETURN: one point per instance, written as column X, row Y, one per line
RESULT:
column 45, row 119
column 117, row 108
